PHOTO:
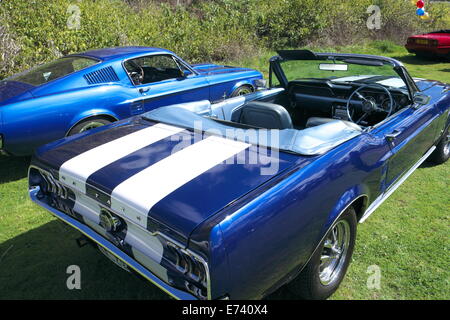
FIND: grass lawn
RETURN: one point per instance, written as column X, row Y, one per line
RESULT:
column 407, row 238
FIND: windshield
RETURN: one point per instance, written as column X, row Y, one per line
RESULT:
column 53, row 70
column 350, row 70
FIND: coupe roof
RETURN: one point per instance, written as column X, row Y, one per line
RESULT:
column 121, row 52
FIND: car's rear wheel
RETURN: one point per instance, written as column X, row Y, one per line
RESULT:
column 327, row 267
column 442, row 152
column 242, row 90
column 89, row 124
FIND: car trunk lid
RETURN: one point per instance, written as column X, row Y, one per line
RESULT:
column 14, row 89
column 152, row 174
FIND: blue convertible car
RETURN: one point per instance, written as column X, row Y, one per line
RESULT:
column 233, row 200
column 83, row 91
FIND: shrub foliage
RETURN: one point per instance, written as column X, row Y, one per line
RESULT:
column 35, row 31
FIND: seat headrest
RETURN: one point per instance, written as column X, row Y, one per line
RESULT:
column 263, row 115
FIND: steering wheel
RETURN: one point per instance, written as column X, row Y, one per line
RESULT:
column 368, row 106
column 136, row 75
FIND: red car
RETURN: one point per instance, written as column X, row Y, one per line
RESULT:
column 435, row 43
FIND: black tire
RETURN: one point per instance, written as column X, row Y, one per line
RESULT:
column 309, row 285
column 241, row 91
column 89, row 124
column 442, row 152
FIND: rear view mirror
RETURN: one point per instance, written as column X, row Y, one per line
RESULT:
column 333, row 67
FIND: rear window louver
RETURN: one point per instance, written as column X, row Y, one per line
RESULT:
column 104, row 75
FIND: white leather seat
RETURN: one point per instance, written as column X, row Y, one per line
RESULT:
column 317, row 121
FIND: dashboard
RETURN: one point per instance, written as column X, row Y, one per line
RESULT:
column 323, row 98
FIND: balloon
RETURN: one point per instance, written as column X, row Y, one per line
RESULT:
column 420, row 12
column 420, row 4
column 426, row 16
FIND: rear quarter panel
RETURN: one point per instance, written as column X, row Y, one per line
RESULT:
column 275, row 233
column 29, row 124
column 224, row 83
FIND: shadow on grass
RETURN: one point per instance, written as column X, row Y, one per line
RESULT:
column 13, row 168
column 427, row 164
column 415, row 60
column 33, row 266
column 284, row 293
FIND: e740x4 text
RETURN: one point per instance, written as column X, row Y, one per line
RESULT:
column 229, row 309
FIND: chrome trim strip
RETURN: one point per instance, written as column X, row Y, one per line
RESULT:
column 156, row 233
column 378, row 201
column 175, row 293
column 153, row 233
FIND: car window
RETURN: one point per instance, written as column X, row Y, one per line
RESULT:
column 153, row 69
column 53, row 70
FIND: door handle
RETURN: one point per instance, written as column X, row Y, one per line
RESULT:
column 142, row 90
column 393, row 135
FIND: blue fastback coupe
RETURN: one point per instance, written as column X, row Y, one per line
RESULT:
column 235, row 199
column 82, row 91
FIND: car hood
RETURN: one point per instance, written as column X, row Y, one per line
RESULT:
column 424, row 84
column 212, row 69
column 154, row 174
column 11, row 91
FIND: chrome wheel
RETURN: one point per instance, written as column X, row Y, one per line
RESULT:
column 447, row 144
column 334, row 253
column 242, row 91
column 91, row 125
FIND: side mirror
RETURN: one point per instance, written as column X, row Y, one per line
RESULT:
column 260, row 84
column 421, row 99
column 185, row 73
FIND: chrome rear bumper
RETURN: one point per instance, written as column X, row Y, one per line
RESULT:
column 133, row 264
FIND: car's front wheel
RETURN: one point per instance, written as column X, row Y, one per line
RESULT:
column 442, row 152
column 327, row 267
column 88, row 124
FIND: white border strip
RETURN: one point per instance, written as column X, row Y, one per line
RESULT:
column 378, row 201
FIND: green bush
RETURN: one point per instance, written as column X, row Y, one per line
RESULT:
column 291, row 23
column 9, row 48
column 35, row 31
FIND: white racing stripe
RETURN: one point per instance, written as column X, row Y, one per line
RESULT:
column 75, row 171
column 137, row 195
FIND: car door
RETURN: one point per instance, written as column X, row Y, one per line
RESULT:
column 410, row 135
column 163, row 80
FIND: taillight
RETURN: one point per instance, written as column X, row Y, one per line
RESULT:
column 53, row 185
column 47, row 183
column 192, row 267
